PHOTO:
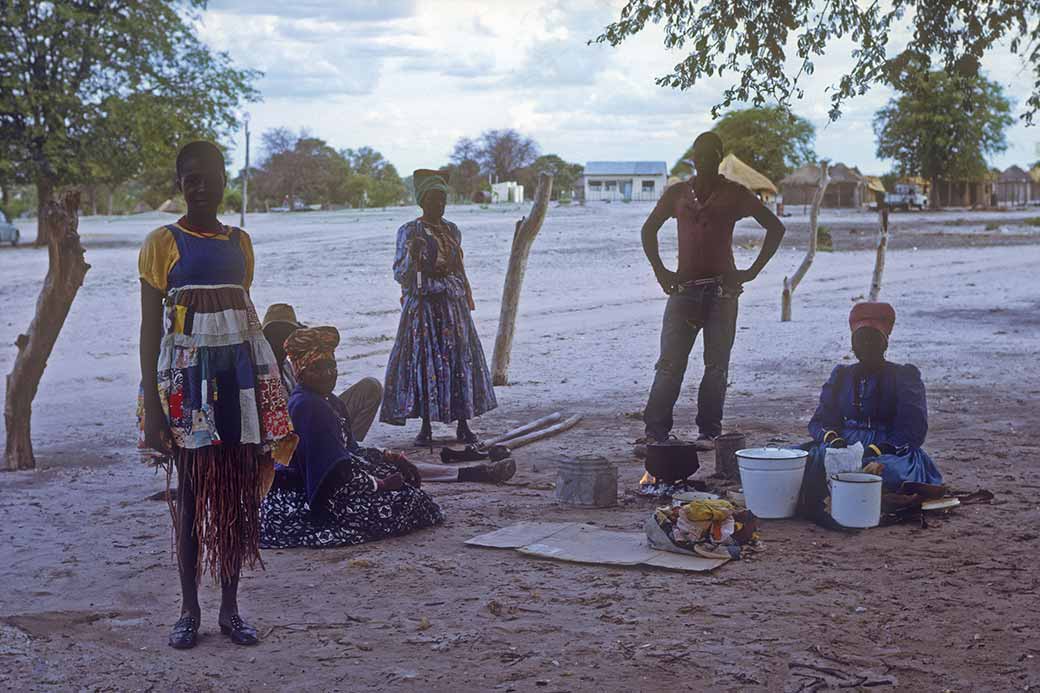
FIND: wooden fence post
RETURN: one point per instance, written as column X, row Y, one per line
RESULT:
column 882, row 246
column 814, row 214
column 523, row 238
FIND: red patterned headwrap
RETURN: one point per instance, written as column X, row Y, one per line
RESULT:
column 308, row 345
column 880, row 316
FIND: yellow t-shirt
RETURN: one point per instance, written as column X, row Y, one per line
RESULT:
column 159, row 254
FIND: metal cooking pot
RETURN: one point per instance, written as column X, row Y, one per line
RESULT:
column 671, row 460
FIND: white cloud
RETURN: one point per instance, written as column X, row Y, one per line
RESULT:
column 409, row 78
column 352, row 11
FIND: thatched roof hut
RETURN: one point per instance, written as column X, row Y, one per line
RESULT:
column 846, row 188
column 1013, row 187
column 874, row 184
column 737, row 171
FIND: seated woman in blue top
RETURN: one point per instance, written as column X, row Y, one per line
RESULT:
column 335, row 492
column 877, row 403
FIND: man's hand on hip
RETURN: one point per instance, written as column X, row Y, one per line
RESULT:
column 738, row 277
column 668, row 280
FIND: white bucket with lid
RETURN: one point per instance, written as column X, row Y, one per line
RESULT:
column 771, row 478
column 856, row 499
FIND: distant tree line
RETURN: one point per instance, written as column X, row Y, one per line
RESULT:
column 299, row 169
column 506, row 155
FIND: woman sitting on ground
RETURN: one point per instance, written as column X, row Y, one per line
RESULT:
column 335, row 492
column 874, row 402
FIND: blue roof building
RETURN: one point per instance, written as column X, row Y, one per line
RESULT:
column 625, row 180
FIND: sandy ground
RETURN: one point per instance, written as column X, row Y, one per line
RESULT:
column 90, row 586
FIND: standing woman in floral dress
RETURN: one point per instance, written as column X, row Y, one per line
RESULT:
column 212, row 401
column 437, row 370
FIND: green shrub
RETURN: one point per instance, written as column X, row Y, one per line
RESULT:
column 15, row 208
column 823, row 238
column 232, row 200
column 1032, row 221
column 992, row 226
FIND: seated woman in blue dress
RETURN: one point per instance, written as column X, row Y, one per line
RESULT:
column 335, row 492
column 874, row 402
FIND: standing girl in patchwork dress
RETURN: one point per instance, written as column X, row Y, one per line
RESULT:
column 212, row 401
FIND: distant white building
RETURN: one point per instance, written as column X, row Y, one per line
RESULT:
column 509, row 191
column 625, row 180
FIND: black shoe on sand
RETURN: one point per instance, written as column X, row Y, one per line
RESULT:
column 494, row 473
column 240, row 632
column 185, row 633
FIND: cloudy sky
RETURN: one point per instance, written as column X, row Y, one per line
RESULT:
column 410, row 77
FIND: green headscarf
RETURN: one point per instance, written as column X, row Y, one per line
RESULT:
column 426, row 180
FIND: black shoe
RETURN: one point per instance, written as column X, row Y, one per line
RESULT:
column 704, row 443
column 185, row 633
column 469, row 454
column 502, row 470
column 494, row 473
column 240, row 632
column 499, row 452
column 424, row 439
column 468, row 437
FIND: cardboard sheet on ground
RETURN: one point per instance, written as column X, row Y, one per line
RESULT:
column 582, row 543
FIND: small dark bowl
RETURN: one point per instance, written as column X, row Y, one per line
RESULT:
column 672, row 460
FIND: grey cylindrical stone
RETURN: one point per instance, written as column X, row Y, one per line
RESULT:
column 589, row 481
column 726, row 447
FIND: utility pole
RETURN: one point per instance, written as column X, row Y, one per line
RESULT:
column 245, row 179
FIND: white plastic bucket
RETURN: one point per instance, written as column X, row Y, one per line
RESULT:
column 856, row 499
column 771, row 478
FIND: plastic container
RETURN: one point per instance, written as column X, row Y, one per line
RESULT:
column 856, row 499
column 771, row 478
column 589, row 481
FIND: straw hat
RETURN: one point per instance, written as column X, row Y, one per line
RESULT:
column 281, row 312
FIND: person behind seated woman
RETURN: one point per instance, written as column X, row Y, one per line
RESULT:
column 362, row 399
column 874, row 402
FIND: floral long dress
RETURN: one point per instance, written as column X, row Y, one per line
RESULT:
column 437, row 367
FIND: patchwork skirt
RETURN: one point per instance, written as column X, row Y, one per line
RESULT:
column 223, row 398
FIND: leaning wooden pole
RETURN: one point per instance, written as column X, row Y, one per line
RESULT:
column 65, row 273
column 564, row 425
column 814, row 215
column 882, row 247
column 523, row 238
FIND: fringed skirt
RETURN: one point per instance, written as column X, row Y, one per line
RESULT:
column 219, row 489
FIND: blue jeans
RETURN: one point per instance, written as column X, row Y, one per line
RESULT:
column 713, row 309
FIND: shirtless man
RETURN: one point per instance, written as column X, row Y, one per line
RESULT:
column 703, row 291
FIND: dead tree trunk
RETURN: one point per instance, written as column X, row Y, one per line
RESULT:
column 523, row 238
column 65, row 273
column 814, row 214
column 882, row 246
column 44, row 195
